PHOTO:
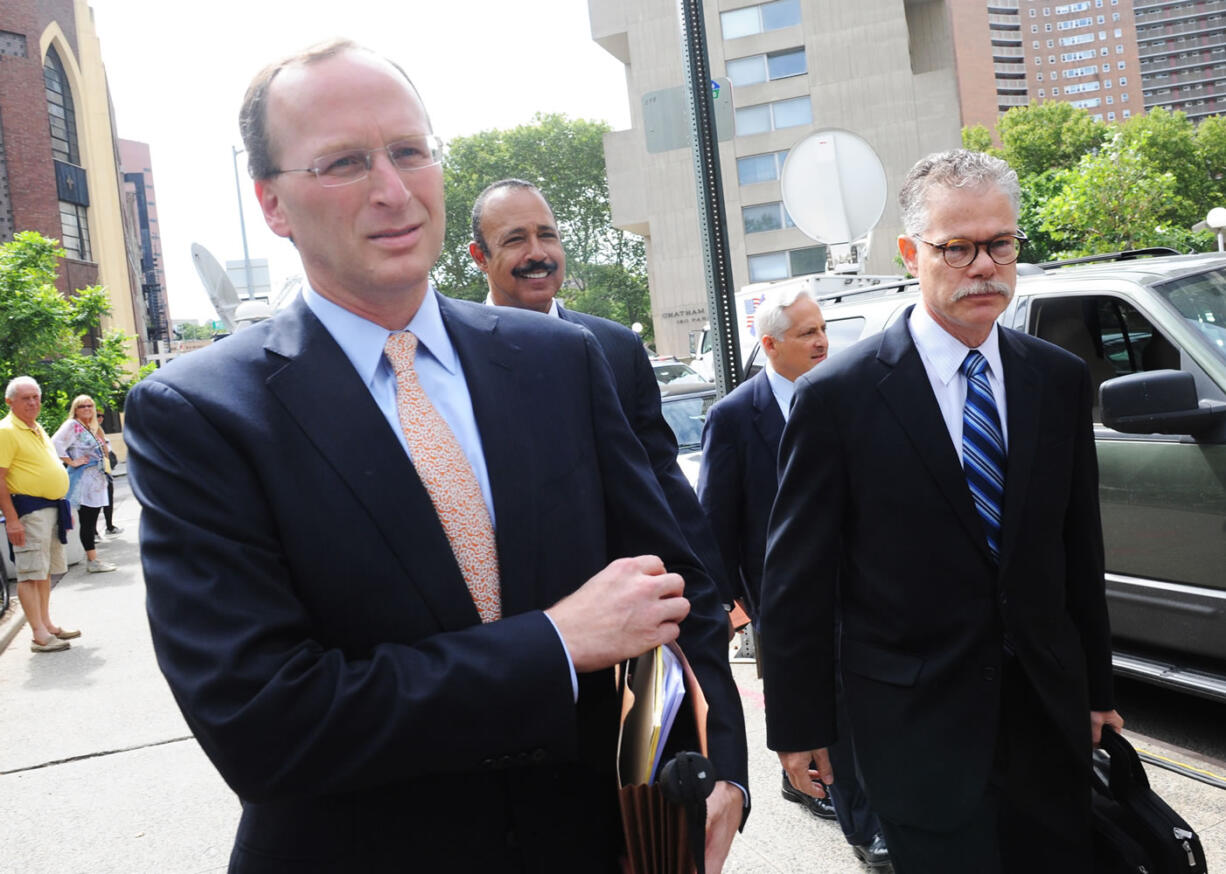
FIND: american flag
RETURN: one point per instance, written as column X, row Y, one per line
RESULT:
column 751, row 307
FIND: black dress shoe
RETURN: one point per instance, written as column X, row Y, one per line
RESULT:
column 875, row 854
column 823, row 808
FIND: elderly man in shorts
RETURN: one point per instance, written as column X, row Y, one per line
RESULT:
column 33, row 484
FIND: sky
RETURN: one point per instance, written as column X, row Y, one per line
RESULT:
column 178, row 71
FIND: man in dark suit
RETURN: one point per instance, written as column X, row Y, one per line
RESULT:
column 939, row 482
column 517, row 245
column 737, row 484
column 382, row 688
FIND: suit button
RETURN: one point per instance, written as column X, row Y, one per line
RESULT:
column 989, row 673
column 539, row 756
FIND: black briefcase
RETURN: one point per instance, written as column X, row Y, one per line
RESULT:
column 1135, row 831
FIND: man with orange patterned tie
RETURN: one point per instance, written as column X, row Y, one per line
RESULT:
column 428, row 533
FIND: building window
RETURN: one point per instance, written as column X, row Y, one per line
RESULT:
column 781, row 265
column 1110, row 100
column 74, row 230
column 1034, row 28
column 765, row 217
column 1038, row 77
column 759, row 19
column 1110, row 116
column 1035, row 45
column 754, row 69
column 763, row 117
column 1038, row 62
column 760, row 168
column 1055, row 92
column 1051, row 44
column 1124, row 97
column 1051, row 59
column 1102, row 19
column 1120, row 65
column 1127, row 113
column 1047, row 27
column 64, row 145
column 1041, row 94
column 1119, row 50
column 1106, row 68
column 1115, row 16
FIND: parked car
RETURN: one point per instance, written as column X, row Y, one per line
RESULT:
column 669, row 370
column 1151, row 326
column 685, row 410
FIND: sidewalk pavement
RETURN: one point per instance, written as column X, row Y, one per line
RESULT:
column 99, row 773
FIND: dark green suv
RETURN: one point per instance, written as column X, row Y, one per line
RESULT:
column 1153, row 332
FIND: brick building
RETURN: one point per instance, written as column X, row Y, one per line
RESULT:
column 59, row 160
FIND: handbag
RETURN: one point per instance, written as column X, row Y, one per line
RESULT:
column 1134, row 830
column 113, row 459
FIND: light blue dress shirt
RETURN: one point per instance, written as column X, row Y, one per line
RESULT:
column 438, row 370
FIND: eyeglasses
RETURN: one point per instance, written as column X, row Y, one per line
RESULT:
column 353, row 165
column 1004, row 249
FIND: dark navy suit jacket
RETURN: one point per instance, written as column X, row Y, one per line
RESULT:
column 313, row 625
column 873, row 505
column 639, row 395
column 738, row 480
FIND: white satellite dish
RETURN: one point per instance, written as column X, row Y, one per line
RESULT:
column 217, row 284
column 834, row 186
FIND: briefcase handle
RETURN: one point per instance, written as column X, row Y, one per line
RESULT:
column 1128, row 778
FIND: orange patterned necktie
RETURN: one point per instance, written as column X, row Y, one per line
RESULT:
column 448, row 478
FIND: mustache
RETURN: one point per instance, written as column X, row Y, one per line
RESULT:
column 983, row 286
column 533, row 266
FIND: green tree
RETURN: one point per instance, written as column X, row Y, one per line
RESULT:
column 616, row 293
column 41, row 332
column 564, row 158
column 977, row 138
column 1211, row 150
column 1168, row 141
column 188, row 331
column 1118, row 198
column 1046, row 136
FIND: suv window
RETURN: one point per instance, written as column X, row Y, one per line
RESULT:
column 1108, row 333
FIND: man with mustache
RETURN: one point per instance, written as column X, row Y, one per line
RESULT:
column 938, row 483
column 393, row 627
column 517, row 245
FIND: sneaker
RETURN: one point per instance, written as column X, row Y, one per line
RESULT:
column 98, row 566
column 113, row 530
column 53, row 644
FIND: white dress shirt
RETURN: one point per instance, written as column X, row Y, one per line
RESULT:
column 781, row 387
column 942, row 355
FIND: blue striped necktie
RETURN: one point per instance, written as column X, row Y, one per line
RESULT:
column 983, row 448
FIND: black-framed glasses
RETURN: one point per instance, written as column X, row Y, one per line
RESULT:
column 1004, row 249
column 353, row 165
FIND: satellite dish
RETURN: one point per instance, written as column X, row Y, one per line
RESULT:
column 833, row 186
column 249, row 312
column 217, row 284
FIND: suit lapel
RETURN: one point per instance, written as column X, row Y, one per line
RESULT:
column 1023, row 400
column 493, row 383
column 767, row 417
column 368, row 458
column 908, row 393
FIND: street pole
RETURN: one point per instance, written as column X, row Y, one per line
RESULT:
column 712, row 219
column 242, row 224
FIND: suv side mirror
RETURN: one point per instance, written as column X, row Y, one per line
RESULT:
column 1158, row 402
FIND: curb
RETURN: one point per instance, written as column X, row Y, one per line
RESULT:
column 14, row 620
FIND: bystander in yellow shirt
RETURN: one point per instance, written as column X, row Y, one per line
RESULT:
column 30, row 463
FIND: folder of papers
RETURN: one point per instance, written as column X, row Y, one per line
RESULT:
column 663, row 712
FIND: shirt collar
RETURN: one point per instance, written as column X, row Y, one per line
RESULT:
column 362, row 340
column 945, row 352
column 781, row 387
column 553, row 305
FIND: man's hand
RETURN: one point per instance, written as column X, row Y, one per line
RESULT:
column 804, row 779
column 630, row 607
column 1099, row 718
column 15, row 530
column 725, row 809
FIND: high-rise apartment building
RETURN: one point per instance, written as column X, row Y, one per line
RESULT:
column 1181, row 45
column 1015, row 52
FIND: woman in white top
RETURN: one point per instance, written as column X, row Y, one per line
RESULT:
column 83, row 448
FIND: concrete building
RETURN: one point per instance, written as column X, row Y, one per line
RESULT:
column 59, row 163
column 137, row 167
column 883, row 69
